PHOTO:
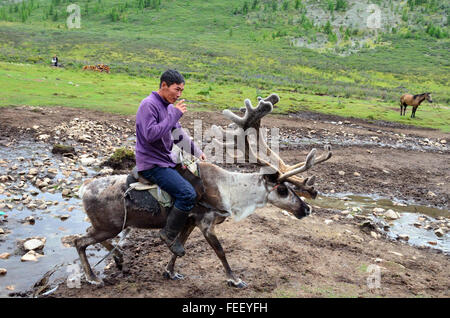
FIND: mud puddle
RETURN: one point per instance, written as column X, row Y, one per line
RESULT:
column 418, row 225
column 31, row 210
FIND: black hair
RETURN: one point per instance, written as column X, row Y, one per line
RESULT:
column 171, row 77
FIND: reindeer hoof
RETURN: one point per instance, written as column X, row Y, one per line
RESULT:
column 238, row 284
column 95, row 281
column 174, row 276
column 119, row 262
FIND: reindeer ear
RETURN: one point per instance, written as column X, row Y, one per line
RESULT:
column 272, row 177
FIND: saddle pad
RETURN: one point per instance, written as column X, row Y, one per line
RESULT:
column 162, row 196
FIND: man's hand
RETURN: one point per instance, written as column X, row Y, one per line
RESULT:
column 202, row 157
column 181, row 106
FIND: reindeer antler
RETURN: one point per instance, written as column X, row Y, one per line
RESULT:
column 252, row 119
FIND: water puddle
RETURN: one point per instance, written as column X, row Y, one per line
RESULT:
column 418, row 222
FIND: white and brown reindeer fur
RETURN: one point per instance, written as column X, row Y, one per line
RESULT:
column 103, row 201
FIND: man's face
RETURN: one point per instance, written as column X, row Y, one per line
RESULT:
column 171, row 93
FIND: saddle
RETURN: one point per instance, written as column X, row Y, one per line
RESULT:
column 142, row 193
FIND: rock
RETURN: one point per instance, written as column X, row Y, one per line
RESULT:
column 32, row 206
column 378, row 260
column 43, row 137
column 328, row 221
column 374, row 235
column 87, row 161
column 356, row 209
column 30, row 220
column 396, row 253
column 5, row 255
column 33, row 244
column 3, row 271
column 68, row 241
column 349, row 217
column 432, row 242
column 403, row 237
column 378, row 210
column 391, row 214
column 356, row 174
column 443, row 141
column 31, row 256
column 345, row 212
column 357, row 238
column 2, row 231
column 341, row 173
column 439, row 232
column 33, row 171
column 85, row 138
column 52, row 171
column 65, row 192
column 431, row 194
column 64, row 217
column 416, row 224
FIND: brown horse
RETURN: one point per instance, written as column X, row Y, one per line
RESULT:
column 414, row 101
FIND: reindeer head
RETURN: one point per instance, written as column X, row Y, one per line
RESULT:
column 282, row 183
column 282, row 195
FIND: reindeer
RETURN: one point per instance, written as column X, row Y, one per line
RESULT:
column 225, row 194
column 414, row 101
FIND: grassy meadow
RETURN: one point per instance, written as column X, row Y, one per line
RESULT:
column 228, row 51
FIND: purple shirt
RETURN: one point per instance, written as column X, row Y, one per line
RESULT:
column 155, row 121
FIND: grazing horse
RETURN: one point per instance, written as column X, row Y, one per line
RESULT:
column 414, row 101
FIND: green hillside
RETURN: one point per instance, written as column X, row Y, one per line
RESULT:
column 321, row 55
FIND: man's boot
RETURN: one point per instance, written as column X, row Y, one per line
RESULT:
column 175, row 222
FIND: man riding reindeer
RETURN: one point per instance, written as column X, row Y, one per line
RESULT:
column 156, row 118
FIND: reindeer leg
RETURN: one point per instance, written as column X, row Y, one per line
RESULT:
column 93, row 236
column 169, row 272
column 212, row 239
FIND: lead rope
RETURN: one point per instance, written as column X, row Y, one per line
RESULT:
column 123, row 226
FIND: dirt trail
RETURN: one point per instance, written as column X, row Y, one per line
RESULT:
column 283, row 257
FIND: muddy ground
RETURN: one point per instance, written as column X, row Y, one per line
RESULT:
column 279, row 256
